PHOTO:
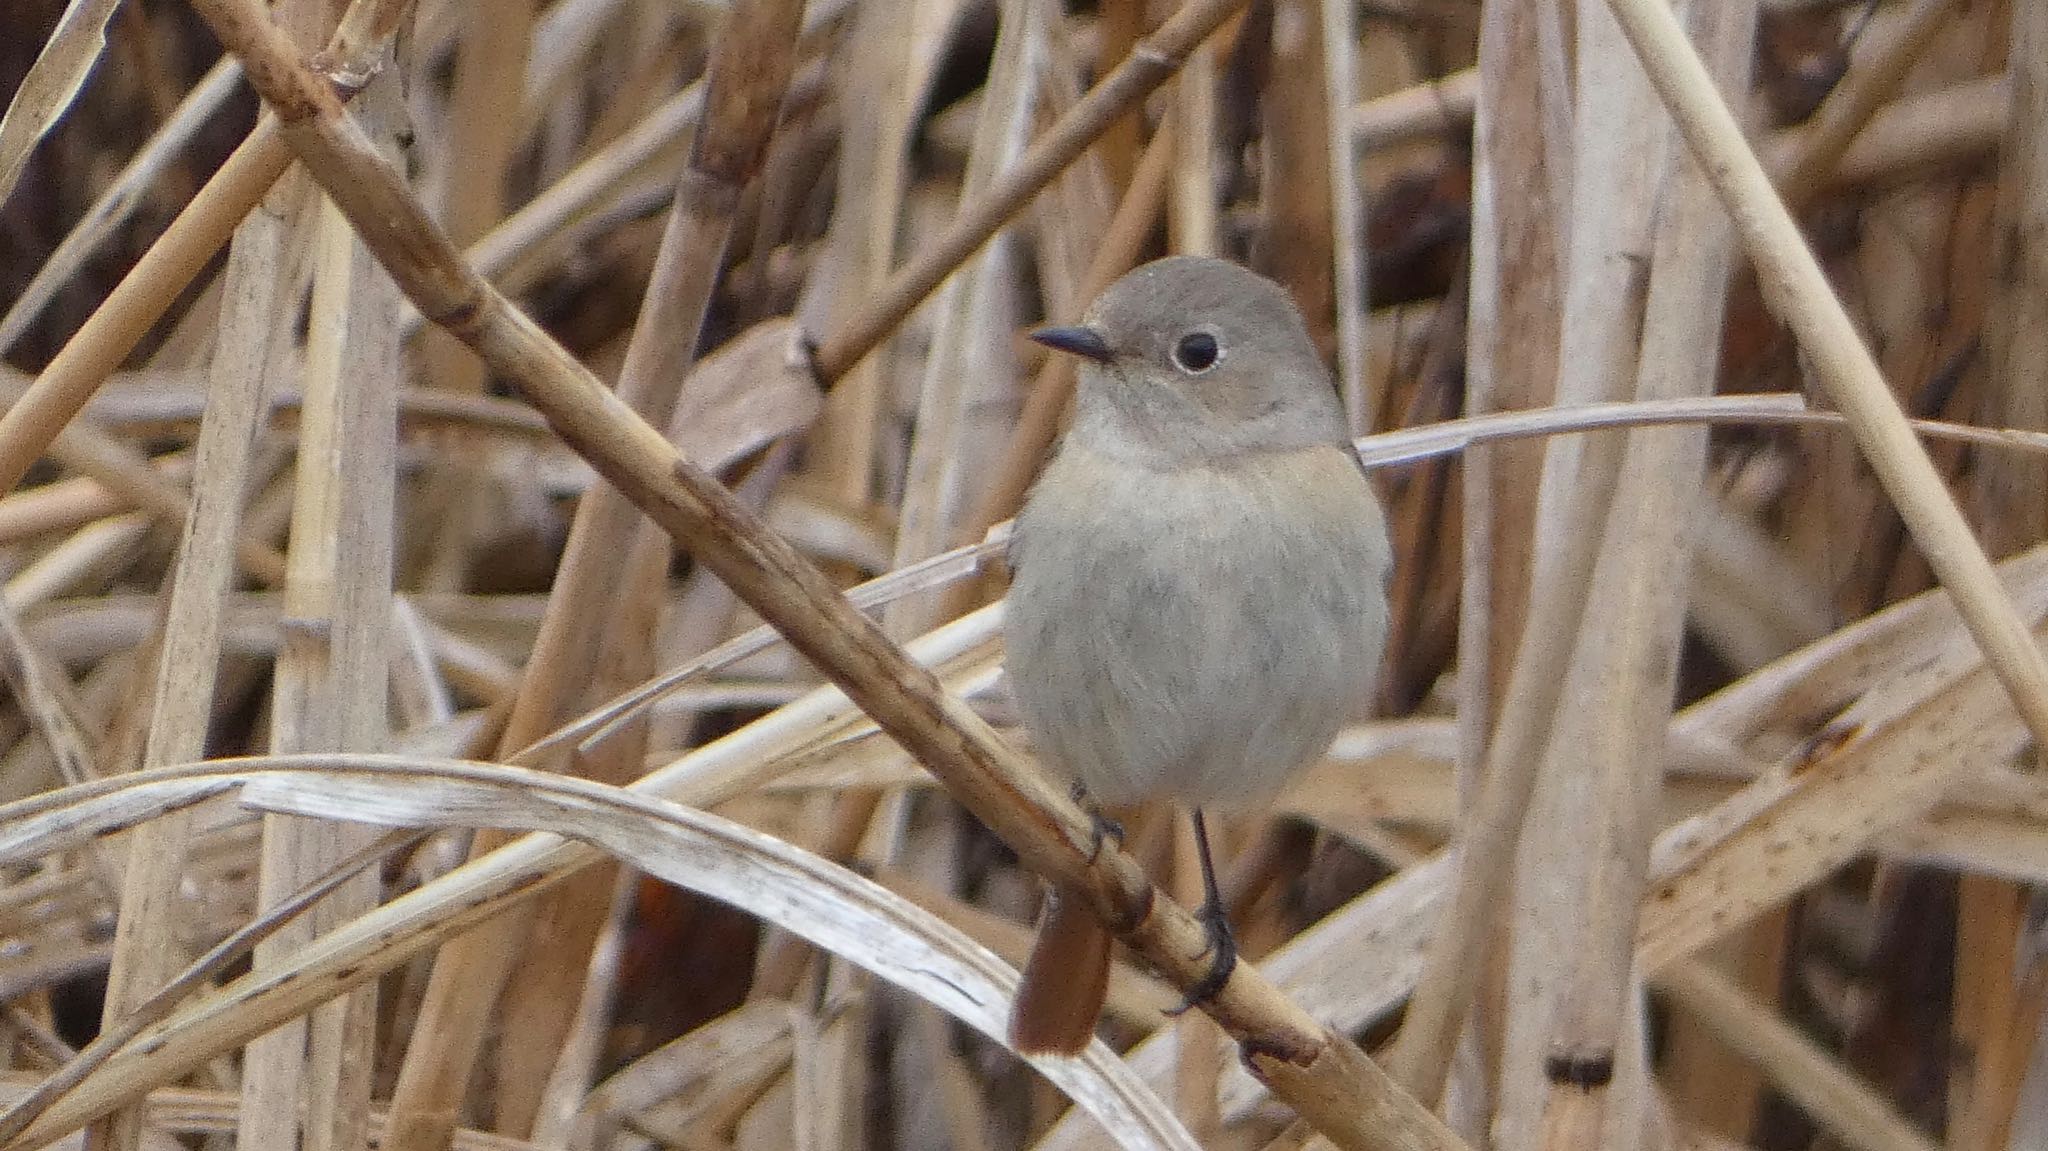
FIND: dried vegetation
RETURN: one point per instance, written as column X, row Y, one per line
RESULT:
column 433, row 714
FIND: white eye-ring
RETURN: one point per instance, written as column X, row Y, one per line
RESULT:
column 1197, row 352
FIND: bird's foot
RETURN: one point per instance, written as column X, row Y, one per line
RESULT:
column 1107, row 830
column 1222, row 957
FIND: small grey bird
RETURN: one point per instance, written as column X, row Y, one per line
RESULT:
column 1199, row 583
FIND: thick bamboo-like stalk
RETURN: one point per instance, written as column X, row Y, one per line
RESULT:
column 1617, row 152
column 275, row 1095
column 1511, row 362
column 1606, row 758
column 331, row 677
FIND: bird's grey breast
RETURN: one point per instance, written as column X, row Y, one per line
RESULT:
column 1196, row 633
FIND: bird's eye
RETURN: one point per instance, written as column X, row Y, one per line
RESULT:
column 1196, row 353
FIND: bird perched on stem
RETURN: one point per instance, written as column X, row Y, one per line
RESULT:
column 1199, row 584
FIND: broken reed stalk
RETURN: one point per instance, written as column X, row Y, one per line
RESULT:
column 1625, row 663
column 1151, row 63
column 1570, row 1066
column 1512, row 335
column 1557, row 605
column 1326, row 1077
column 1797, row 290
column 177, row 256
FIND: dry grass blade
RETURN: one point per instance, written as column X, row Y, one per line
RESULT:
column 60, row 70
column 121, row 198
column 195, row 976
column 829, row 905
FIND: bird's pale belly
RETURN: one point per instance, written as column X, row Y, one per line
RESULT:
column 1184, row 638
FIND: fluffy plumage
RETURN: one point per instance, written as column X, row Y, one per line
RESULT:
column 1198, row 598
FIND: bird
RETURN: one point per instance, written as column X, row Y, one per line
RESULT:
column 1198, row 586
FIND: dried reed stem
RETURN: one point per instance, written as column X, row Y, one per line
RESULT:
column 309, row 1084
column 1797, row 289
column 1347, row 212
column 1325, row 1076
column 1151, row 63
column 1862, row 92
column 254, row 324
column 1848, row 1109
column 1511, row 362
column 179, row 255
column 752, row 63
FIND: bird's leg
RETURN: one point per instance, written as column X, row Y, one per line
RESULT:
column 1106, row 829
column 1216, row 917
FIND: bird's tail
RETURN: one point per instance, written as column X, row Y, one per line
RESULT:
column 1064, row 982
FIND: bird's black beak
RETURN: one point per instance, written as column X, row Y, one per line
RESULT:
column 1080, row 340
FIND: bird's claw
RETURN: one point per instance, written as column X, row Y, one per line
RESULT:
column 1106, row 829
column 1222, row 958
